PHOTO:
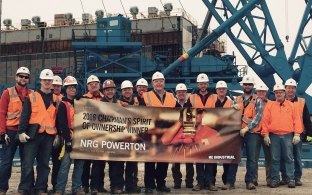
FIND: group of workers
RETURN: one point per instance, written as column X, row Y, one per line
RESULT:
column 41, row 124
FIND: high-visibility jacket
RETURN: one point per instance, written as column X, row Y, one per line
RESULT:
column 70, row 114
column 281, row 119
column 152, row 100
column 42, row 116
column 248, row 111
column 228, row 104
column 97, row 98
column 14, row 107
column 299, row 104
column 197, row 102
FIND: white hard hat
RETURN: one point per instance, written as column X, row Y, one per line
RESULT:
column 181, row 87
column 70, row 80
column 221, row 84
column 126, row 84
column 278, row 87
column 261, row 87
column 23, row 70
column 57, row 80
column 141, row 81
column 291, row 82
column 158, row 75
column 92, row 78
column 46, row 74
column 247, row 79
column 202, row 77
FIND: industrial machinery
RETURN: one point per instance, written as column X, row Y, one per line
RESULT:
column 122, row 51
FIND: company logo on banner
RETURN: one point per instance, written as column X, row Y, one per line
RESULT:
column 108, row 131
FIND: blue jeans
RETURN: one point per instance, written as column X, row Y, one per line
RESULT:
column 282, row 148
column 267, row 162
column 297, row 152
column 40, row 149
column 63, row 174
column 229, row 173
column 202, row 174
column 253, row 145
column 7, row 153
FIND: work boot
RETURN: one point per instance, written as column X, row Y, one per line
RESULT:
column 94, row 191
column 298, row 182
column 162, row 189
column 177, row 186
column 228, row 186
column 85, row 189
column 58, row 193
column 189, row 185
column 250, row 186
column 133, row 190
column 283, row 182
column 149, row 191
column 2, row 192
column 212, row 187
column 198, row 187
column 291, row 184
column 274, row 184
column 116, row 191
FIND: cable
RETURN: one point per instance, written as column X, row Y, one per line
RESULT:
column 286, row 21
column 184, row 9
column 123, row 8
column 83, row 11
column 104, row 8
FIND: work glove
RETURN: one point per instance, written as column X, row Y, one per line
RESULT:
column 243, row 131
column 267, row 140
column 236, row 107
column 68, row 147
column 5, row 139
column 309, row 139
column 23, row 137
column 124, row 104
column 56, row 141
column 296, row 139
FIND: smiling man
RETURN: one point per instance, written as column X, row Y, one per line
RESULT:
column 10, row 110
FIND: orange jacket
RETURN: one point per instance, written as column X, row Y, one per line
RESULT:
column 197, row 102
column 248, row 112
column 227, row 104
column 14, row 107
column 42, row 116
column 281, row 119
column 300, row 106
column 97, row 98
column 152, row 100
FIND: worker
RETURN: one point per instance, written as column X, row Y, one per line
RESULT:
column 57, row 146
column 37, row 131
column 131, row 170
column 261, row 92
column 65, row 123
column 300, row 103
column 201, row 99
column 11, row 103
column 116, row 168
column 93, row 85
column 182, row 102
column 141, row 87
column 229, row 170
column 251, row 108
column 158, row 97
column 281, row 129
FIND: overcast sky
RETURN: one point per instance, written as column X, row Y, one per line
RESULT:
column 26, row 9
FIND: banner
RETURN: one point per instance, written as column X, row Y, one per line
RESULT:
column 107, row 131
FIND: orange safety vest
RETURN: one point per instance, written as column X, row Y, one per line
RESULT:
column 152, row 100
column 89, row 95
column 299, row 107
column 228, row 104
column 248, row 112
column 42, row 116
column 70, row 114
column 197, row 102
column 14, row 108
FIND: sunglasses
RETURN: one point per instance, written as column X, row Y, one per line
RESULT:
column 23, row 77
column 248, row 84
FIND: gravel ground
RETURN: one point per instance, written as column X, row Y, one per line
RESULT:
column 240, row 185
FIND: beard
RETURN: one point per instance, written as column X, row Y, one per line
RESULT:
column 247, row 91
column 21, row 84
